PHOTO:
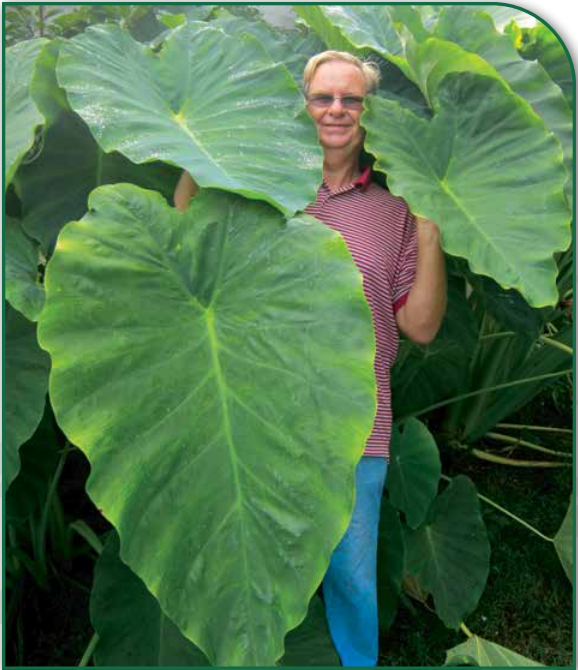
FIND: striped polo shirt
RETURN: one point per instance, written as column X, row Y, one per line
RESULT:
column 380, row 233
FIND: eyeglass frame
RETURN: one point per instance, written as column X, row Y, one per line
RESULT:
column 317, row 101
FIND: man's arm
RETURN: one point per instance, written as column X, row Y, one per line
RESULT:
column 421, row 316
column 186, row 189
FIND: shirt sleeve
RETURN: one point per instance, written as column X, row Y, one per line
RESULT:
column 407, row 265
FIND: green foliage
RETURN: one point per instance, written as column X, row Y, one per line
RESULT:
column 24, row 289
column 54, row 188
column 449, row 554
column 134, row 632
column 390, row 563
column 26, row 382
column 414, row 470
column 22, row 114
column 486, row 654
column 222, row 297
column 564, row 542
column 157, row 113
column 229, row 348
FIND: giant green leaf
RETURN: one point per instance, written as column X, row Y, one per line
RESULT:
column 564, row 542
column 291, row 47
column 50, row 98
column 473, row 30
column 487, row 654
column 450, row 554
column 211, row 103
column 54, row 188
column 216, row 366
column 414, row 470
column 487, row 171
column 23, row 288
column 22, row 114
column 360, row 28
column 503, row 15
column 134, row 632
column 545, row 47
column 26, row 381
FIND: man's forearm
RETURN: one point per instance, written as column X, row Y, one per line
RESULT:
column 422, row 314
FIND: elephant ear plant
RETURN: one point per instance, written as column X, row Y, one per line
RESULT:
column 216, row 365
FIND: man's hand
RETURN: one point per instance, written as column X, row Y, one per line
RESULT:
column 427, row 229
column 421, row 316
column 186, row 189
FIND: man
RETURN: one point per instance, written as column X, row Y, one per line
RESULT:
column 405, row 284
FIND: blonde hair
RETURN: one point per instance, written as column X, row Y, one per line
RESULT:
column 369, row 70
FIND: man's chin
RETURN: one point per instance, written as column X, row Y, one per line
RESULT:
column 334, row 142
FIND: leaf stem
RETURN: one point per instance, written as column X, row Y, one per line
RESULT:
column 487, row 389
column 517, row 426
column 89, row 651
column 466, row 630
column 502, row 460
column 556, row 344
column 496, row 336
column 523, row 443
column 46, row 510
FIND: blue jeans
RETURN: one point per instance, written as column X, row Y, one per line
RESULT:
column 350, row 584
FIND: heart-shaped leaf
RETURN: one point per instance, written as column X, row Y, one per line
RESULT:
column 211, row 103
column 497, row 183
column 359, row 28
column 22, row 114
column 218, row 350
column 450, row 554
column 474, row 31
column 54, row 188
column 26, row 381
column 23, row 288
column 414, row 470
column 487, row 654
column 541, row 44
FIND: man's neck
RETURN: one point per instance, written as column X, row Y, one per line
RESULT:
column 340, row 170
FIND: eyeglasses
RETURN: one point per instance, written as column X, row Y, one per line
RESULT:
column 347, row 101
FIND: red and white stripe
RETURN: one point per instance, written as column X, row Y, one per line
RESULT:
column 380, row 233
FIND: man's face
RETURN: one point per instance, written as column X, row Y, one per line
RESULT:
column 337, row 127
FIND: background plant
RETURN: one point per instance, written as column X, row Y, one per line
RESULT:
column 498, row 348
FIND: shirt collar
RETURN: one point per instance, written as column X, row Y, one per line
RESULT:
column 362, row 182
column 364, row 179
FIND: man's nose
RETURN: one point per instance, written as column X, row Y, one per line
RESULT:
column 336, row 106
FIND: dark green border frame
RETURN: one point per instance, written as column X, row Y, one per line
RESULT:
column 502, row 4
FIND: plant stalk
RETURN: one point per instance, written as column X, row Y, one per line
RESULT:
column 507, row 513
column 466, row 630
column 556, row 344
column 523, row 443
column 517, row 426
column 496, row 336
column 488, row 389
column 89, row 651
column 46, row 510
column 502, row 460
